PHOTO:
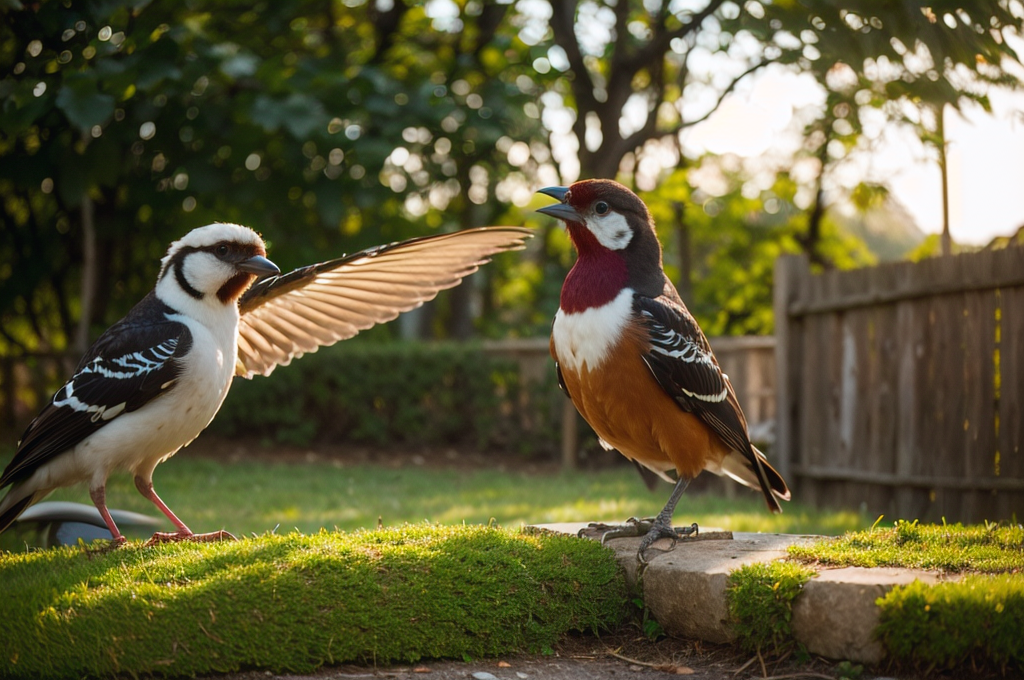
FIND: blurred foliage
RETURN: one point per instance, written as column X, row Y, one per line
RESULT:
column 427, row 394
column 735, row 242
column 673, row 63
column 328, row 128
column 332, row 125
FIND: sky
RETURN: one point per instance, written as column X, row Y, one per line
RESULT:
column 985, row 154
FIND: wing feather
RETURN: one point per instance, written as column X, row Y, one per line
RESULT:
column 131, row 364
column 286, row 316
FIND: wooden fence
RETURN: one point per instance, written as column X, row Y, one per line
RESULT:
column 901, row 387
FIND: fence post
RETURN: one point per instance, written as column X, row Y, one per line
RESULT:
column 790, row 273
column 570, row 436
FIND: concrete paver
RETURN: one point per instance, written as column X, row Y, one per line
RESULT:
column 684, row 589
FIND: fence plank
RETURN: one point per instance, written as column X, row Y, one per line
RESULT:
column 907, row 391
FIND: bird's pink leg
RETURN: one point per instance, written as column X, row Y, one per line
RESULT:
column 99, row 499
column 145, row 487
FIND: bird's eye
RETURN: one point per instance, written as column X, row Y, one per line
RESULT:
column 222, row 250
column 601, row 208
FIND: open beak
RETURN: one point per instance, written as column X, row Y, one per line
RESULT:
column 259, row 265
column 560, row 210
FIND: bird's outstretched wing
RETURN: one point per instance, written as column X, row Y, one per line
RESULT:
column 285, row 316
column 132, row 363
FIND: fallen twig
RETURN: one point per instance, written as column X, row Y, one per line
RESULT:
column 744, row 666
column 664, row 667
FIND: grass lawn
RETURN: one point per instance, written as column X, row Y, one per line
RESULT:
column 255, row 496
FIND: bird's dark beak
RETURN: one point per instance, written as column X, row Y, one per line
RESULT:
column 560, row 210
column 259, row 265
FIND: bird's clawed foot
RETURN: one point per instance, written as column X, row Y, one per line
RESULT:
column 178, row 536
column 651, row 529
column 661, row 528
column 631, row 529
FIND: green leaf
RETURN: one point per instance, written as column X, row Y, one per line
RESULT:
column 83, row 104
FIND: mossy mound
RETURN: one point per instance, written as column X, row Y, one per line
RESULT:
column 760, row 599
column 293, row 603
column 985, row 548
column 977, row 622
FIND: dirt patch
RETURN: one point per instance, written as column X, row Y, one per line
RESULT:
column 610, row 657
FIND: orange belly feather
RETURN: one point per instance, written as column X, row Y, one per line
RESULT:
column 628, row 409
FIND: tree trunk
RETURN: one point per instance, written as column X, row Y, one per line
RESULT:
column 813, row 236
column 684, row 254
column 88, row 211
column 940, row 130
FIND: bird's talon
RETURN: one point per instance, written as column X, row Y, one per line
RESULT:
column 179, row 536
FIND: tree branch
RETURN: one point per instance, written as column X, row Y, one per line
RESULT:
column 664, row 37
column 725, row 93
column 386, row 25
column 491, row 17
column 563, row 18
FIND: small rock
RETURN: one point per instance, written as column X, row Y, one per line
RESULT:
column 521, row 675
column 484, row 675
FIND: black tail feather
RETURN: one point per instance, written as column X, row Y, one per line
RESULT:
column 11, row 513
column 772, row 483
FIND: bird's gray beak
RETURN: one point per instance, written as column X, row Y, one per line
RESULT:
column 259, row 265
column 560, row 210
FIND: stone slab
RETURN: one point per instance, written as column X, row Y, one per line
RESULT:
column 684, row 588
column 835, row 616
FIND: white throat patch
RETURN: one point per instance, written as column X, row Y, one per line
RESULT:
column 587, row 337
column 611, row 230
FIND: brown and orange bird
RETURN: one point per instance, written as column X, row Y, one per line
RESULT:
column 636, row 364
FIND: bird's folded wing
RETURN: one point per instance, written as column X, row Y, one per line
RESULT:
column 138, row 364
column 682, row 362
column 285, row 316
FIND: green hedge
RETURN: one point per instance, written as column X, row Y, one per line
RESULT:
column 294, row 603
column 378, row 394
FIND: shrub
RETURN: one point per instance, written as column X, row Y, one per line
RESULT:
column 380, row 394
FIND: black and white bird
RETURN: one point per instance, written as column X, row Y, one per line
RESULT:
column 155, row 379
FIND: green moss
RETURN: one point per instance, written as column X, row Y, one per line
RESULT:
column 977, row 621
column 760, row 599
column 985, row 548
column 293, row 603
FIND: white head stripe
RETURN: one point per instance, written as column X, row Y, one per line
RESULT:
column 611, row 230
